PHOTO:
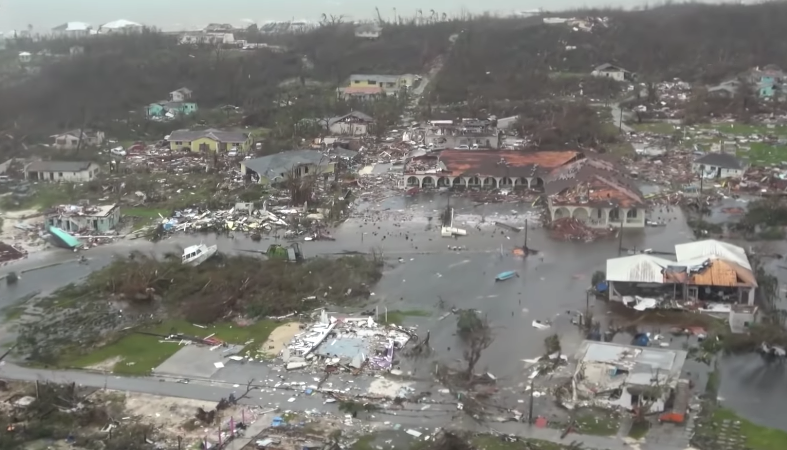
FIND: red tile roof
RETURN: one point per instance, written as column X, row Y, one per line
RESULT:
column 504, row 163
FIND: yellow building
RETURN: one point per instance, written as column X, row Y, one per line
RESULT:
column 390, row 84
column 210, row 140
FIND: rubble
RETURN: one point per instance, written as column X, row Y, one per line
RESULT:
column 351, row 342
column 570, row 229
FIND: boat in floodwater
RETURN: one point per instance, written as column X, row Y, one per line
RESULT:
column 502, row 276
column 195, row 255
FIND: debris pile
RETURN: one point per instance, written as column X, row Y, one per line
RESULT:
column 349, row 342
column 570, row 229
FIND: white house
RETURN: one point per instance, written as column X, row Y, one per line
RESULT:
column 61, row 171
column 719, row 165
column 180, row 95
column 73, row 29
column 355, row 123
column 25, row 57
column 614, row 72
column 70, row 139
column 368, row 31
column 120, row 26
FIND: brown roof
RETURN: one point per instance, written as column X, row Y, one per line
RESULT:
column 504, row 163
column 592, row 182
column 724, row 273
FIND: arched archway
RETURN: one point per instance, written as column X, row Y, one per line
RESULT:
column 427, row 182
column 506, row 182
column 474, row 181
column 581, row 214
column 522, row 181
column 537, row 183
column 457, row 181
column 561, row 213
column 443, row 182
column 490, row 182
column 412, row 181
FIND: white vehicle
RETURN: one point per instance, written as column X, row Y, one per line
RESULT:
column 474, row 147
column 463, row 147
column 195, row 255
column 118, row 151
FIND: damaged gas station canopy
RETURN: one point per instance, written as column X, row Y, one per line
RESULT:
column 354, row 342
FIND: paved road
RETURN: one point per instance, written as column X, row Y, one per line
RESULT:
column 425, row 417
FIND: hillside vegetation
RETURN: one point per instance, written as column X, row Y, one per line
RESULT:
column 513, row 58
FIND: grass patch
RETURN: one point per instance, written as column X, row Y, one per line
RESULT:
column 762, row 153
column 398, row 317
column 745, row 129
column 757, row 437
column 13, row 312
column 639, row 429
column 597, row 423
column 46, row 195
column 621, row 149
column 364, row 442
column 141, row 353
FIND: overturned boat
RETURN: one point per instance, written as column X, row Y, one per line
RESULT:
column 195, row 255
column 502, row 276
column 62, row 239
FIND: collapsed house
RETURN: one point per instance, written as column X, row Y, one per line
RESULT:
column 630, row 377
column 76, row 218
column 708, row 276
column 354, row 342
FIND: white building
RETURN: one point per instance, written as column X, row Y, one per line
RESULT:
column 73, row 29
column 629, row 377
column 120, row 26
column 61, row 171
column 708, row 276
column 719, row 165
column 25, row 57
column 614, row 72
column 368, row 31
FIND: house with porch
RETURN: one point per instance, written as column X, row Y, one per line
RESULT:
column 295, row 163
column 488, row 169
column 707, row 276
column 354, row 123
column 614, row 72
column 61, row 171
column 209, row 140
column 71, row 139
column 596, row 193
column 74, row 218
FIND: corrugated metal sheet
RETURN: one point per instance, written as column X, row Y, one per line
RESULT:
column 637, row 269
column 712, row 248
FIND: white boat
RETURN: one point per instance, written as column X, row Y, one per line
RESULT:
column 195, row 255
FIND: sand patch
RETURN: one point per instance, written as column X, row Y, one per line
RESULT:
column 279, row 338
column 107, row 365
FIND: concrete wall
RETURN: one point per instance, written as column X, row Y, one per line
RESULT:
column 98, row 224
column 600, row 217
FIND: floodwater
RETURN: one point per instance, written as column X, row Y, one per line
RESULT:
column 423, row 269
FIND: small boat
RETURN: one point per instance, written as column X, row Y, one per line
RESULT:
column 502, row 276
column 195, row 255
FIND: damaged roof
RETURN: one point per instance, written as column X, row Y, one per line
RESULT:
column 595, row 182
column 210, row 133
column 723, row 160
column 279, row 164
column 504, row 163
column 641, row 363
column 353, row 114
column 57, row 166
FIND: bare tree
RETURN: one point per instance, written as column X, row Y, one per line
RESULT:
column 478, row 340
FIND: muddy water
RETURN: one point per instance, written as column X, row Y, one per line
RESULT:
column 422, row 269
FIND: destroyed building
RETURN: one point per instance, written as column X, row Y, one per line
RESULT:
column 630, row 377
column 708, row 276
column 61, row 171
column 354, row 342
column 470, row 134
column 490, row 169
column 596, row 193
column 75, row 218
column 298, row 163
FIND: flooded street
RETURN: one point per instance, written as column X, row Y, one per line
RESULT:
column 422, row 270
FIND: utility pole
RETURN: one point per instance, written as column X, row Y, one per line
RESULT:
column 530, row 412
column 620, row 240
column 620, row 120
